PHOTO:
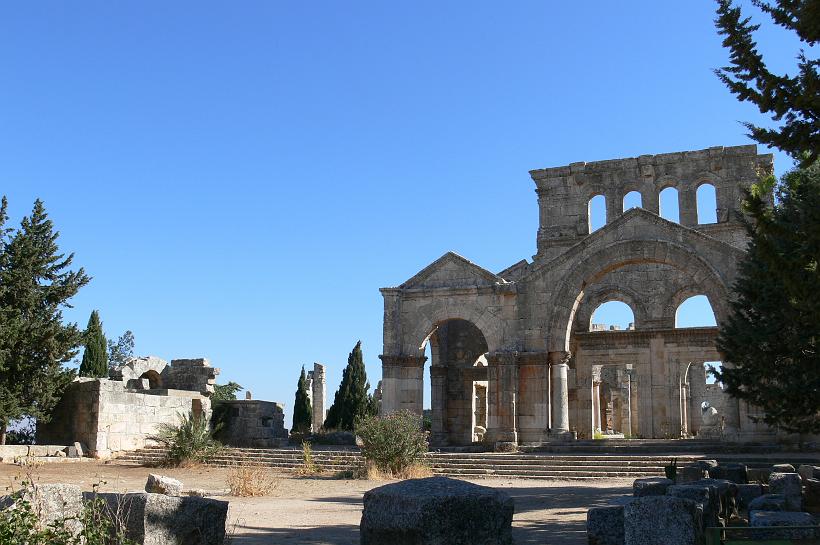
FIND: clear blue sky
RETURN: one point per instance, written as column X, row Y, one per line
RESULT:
column 241, row 178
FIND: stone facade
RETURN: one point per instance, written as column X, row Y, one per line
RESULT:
column 526, row 331
column 251, row 423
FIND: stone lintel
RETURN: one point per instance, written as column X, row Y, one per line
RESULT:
column 403, row 361
column 697, row 336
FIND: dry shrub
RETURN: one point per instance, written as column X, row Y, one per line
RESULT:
column 248, row 480
column 309, row 465
column 395, row 444
column 371, row 472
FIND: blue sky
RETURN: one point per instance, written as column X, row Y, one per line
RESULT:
column 241, row 178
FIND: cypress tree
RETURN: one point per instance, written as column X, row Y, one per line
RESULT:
column 302, row 411
column 95, row 357
column 35, row 284
column 352, row 399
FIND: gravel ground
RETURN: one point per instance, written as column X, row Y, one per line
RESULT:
column 320, row 511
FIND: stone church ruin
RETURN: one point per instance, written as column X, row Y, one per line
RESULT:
column 514, row 357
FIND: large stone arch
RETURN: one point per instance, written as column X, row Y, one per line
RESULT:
column 571, row 292
column 420, row 326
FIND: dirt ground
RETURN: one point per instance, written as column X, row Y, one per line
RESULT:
column 325, row 511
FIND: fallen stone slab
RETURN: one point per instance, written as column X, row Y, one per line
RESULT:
column 784, row 522
column 783, row 468
column 768, row 502
column 790, row 486
column 50, row 503
column 662, row 520
column 605, row 525
column 160, row 484
column 436, row 511
column 691, row 473
column 748, row 492
column 706, row 496
column 651, row 486
column 157, row 519
column 730, row 472
column 758, row 474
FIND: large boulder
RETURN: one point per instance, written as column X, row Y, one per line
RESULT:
column 436, row 511
column 651, row 486
column 605, row 525
column 157, row 519
column 662, row 520
column 767, row 502
column 785, row 523
column 51, row 502
column 705, row 496
column 790, row 486
column 159, row 484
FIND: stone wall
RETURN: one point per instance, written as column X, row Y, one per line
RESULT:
column 251, row 423
column 193, row 374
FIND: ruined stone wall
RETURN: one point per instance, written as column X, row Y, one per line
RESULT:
column 251, row 423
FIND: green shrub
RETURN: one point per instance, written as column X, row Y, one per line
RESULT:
column 395, row 443
column 190, row 441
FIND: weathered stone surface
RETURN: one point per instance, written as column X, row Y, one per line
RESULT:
column 157, row 519
column 808, row 472
column 436, row 511
column 51, row 502
column 705, row 496
column 790, row 486
column 747, row 493
column 768, row 502
column 811, row 495
column 651, row 486
column 691, row 473
column 783, row 520
column 605, row 525
column 783, row 468
column 707, row 464
column 730, row 472
column 727, row 493
column 159, row 484
column 758, row 474
column 662, row 520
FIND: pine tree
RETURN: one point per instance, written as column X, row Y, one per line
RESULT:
column 794, row 101
column 36, row 284
column 352, row 399
column 95, row 356
column 772, row 336
column 122, row 350
column 302, row 411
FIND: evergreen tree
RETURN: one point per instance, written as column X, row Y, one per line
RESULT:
column 352, row 399
column 95, row 356
column 225, row 392
column 771, row 339
column 121, row 351
column 302, row 411
column 794, row 101
column 35, row 284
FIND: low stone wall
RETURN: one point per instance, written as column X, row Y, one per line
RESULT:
column 251, row 423
column 106, row 418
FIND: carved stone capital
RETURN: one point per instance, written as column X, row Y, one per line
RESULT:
column 502, row 358
column 533, row 358
column 403, row 361
column 560, row 357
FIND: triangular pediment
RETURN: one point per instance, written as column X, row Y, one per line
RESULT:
column 452, row 271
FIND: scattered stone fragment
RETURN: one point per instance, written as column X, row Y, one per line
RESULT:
column 748, row 492
column 691, row 473
column 790, row 486
column 768, row 502
column 703, row 495
column 51, row 502
column 605, row 525
column 651, row 486
column 656, row 520
column 783, row 520
column 758, row 474
column 707, row 464
column 727, row 493
column 436, row 510
column 808, row 472
column 730, row 472
column 811, row 495
column 159, row 484
column 783, row 468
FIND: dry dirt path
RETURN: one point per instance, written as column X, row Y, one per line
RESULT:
column 324, row 511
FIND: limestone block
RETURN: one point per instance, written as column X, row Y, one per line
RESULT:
column 160, row 484
column 783, row 468
column 727, row 492
column 704, row 496
column 44, row 450
column 758, row 475
column 651, row 486
column 748, row 492
column 768, row 502
column 811, row 495
column 662, row 520
column 808, row 472
column 436, row 511
column 690, row 473
column 13, row 451
column 783, row 520
column 605, row 525
column 51, row 502
column 790, row 486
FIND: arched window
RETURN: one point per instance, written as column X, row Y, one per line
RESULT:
column 695, row 312
column 596, row 212
column 632, row 200
column 707, row 204
column 612, row 316
column 669, row 204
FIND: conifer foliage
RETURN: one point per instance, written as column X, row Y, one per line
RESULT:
column 352, row 399
column 95, row 357
column 302, row 411
column 36, row 283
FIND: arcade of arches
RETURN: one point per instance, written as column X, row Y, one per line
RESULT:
column 515, row 357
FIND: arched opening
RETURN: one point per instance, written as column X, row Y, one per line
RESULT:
column 712, row 366
column 696, row 311
column 633, row 199
column 707, row 204
column 456, row 350
column 612, row 316
column 596, row 212
column 154, row 379
column 669, row 207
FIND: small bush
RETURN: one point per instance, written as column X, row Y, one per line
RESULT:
column 597, row 434
column 189, row 442
column 393, row 444
column 250, row 481
column 309, row 466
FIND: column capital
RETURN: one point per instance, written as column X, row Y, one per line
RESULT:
column 533, row 358
column 502, row 358
column 403, row 361
column 560, row 357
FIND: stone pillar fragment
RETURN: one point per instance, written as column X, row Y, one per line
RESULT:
column 318, row 393
column 438, row 398
column 560, row 392
column 402, row 383
column 501, row 398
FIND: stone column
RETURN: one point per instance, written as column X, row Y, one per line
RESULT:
column 532, row 403
column 438, row 403
column 502, row 383
column 318, row 392
column 560, row 392
column 402, row 383
column 596, row 406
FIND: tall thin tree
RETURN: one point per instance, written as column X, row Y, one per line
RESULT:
column 95, row 357
column 352, row 399
column 302, row 411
